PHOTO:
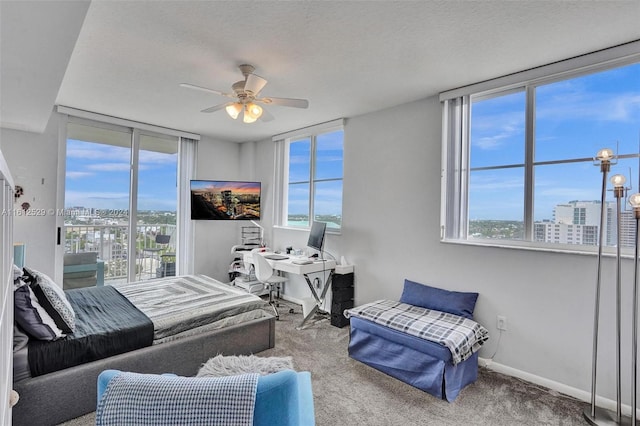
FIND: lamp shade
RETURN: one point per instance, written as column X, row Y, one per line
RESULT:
column 634, row 200
column 618, row 180
column 234, row 110
column 251, row 112
column 605, row 154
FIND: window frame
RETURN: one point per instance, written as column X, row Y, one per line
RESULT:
column 282, row 158
column 456, row 139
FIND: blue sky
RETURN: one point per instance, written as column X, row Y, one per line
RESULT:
column 329, row 164
column 98, row 176
column 574, row 119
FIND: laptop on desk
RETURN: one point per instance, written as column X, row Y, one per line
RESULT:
column 275, row 256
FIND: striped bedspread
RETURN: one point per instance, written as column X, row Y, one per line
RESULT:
column 176, row 304
column 462, row 336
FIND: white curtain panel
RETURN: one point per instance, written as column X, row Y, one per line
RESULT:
column 187, row 152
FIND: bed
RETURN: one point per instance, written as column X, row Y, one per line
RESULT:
column 428, row 339
column 168, row 324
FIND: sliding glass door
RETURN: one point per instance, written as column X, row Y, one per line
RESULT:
column 156, row 206
column 120, row 195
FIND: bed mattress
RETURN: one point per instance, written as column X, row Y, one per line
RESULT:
column 177, row 307
column 177, row 304
column 107, row 324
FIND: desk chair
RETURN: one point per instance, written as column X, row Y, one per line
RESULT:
column 161, row 244
column 264, row 274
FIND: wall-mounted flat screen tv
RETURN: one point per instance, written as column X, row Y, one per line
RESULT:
column 225, row 200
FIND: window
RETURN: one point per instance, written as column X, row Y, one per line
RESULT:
column 519, row 166
column 98, row 194
column 312, row 180
column 124, row 182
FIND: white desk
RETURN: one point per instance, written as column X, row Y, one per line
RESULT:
column 287, row 265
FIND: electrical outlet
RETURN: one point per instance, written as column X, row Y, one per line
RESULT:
column 501, row 323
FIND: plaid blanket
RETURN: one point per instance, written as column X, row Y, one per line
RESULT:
column 462, row 336
column 148, row 399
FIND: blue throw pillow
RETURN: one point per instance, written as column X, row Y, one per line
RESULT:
column 453, row 302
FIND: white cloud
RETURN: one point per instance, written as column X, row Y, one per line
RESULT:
column 98, row 152
column 149, row 157
column 77, row 175
column 99, row 200
column 576, row 104
column 492, row 131
column 109, row 167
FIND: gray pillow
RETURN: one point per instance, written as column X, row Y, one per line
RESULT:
column 54, row 301
column 32, row 317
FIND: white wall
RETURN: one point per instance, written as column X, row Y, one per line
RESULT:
column 391, row 231
column 217, row 160
column 33, row 161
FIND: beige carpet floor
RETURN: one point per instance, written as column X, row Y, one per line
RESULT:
column 347, row 392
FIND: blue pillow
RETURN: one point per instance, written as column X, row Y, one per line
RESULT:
column 453, row 302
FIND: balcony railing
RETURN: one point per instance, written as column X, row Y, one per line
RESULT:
column 111, row 242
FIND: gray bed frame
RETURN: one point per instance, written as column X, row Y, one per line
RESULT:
column 63, row 395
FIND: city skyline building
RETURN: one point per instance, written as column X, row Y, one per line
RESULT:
column 578, row 222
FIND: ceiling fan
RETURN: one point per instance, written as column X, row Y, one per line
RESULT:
column 246, row 95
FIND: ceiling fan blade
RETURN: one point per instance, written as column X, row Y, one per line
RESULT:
column 204, row 89
column 217, row 107
column 266, row 116
column 296, row 103
column 254, row 84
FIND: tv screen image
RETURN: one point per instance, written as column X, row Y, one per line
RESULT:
column 225, row 200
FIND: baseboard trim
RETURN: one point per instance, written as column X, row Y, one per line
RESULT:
column 579, row 394
column 290, row 299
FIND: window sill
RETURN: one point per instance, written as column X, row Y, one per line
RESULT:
column 328, row 231
column 527, row 246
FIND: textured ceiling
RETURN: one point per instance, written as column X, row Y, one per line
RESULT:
column 347, row 58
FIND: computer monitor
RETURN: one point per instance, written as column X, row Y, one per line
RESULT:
column 316, row 235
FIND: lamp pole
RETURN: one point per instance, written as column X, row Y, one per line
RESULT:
column 634, row 200
column 604, row 158
column 619, row 190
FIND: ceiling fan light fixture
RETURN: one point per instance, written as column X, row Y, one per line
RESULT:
column 245, row 93
column 234, row 110
column 251, row 112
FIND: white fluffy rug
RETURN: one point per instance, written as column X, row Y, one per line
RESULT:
column 232, row 365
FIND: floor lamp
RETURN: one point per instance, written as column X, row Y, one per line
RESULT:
column 596, row 415
column 603, row 158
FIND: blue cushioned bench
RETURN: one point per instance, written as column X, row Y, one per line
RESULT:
column 423, row 364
